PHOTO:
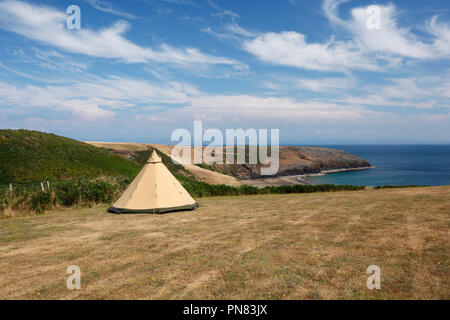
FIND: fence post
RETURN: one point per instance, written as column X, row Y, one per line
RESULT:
column 42, row 186
column 48, row 185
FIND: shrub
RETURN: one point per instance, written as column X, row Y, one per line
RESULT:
column 3, row 200
column 68, row 193
column 202, row 189
column 401, row 186
column 97, row 192
column 40, row 201
column 123, row 181
column 245, row 189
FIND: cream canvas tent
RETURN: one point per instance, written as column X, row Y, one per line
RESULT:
column 154, row 190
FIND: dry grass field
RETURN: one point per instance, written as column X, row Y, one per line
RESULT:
column 297, row 246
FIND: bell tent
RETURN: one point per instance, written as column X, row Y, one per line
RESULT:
column 154, row 190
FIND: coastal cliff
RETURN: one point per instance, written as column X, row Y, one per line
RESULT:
column 299, row 161
column 293, row 161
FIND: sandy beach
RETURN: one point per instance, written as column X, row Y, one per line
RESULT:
column 295, row 179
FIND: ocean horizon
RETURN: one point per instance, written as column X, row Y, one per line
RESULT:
column 394, row 165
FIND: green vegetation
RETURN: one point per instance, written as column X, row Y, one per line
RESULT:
column 401, row 186
column 202, row 189
column 68, row 193
column 87, row 192
column 141, row 158
column 32, row 156
column 81, row 193
column 41, row 201
column 83, row 175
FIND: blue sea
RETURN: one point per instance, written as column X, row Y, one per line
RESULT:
column 395, row 165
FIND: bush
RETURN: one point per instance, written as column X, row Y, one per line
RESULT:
column 40, row 201
column 105, row 190
column 68, row 193
column 123, row 181
column 401, row 186
column 3, row 200
column 202, row 189
column 97, row 192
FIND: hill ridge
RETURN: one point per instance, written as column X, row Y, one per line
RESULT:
column 28, row 156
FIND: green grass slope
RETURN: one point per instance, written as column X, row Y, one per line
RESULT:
column 32, row 156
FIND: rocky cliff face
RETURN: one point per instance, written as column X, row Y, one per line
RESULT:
column 297, row 161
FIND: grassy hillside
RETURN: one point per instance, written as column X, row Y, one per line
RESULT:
column 32, row 156
column 296, row 246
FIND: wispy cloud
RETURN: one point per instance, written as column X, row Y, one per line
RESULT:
column 46, row 25
column 413, row 92
column 286, row 83
column 53, row 77
column 182, row 2
column 325, row 84
column 290, row 48
column 368, row 49
column 231, row 31
column 390, row 38
column 97, row 98
column 104, row 97
column 222, row 13
column 106, row 7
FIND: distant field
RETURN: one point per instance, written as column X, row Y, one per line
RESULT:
column 296, row 246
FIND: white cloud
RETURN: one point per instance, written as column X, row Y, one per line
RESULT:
column 290, row 48
column 222, row 13
column 423, row 92
column 286, row 83
column 441, row 31
column 443, row 89
column 235, row 29
column 134, row 104
column 106, row 7
column 390, row 38
column 231, row 31
column 367, row 49
column 182, row 2
column 105, row 97
column 53, row 98
column 47, row 25
column 383, row 101
column 273, row 108
column 404, row 88
column 94, row 100
column 87, row 110
column 325, row 84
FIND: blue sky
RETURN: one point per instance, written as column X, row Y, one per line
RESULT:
column 138, row 69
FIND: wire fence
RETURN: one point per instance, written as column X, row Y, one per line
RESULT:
column 38, row 186
column 49, row 185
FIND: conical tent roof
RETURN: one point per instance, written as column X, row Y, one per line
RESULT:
column 154, row 190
